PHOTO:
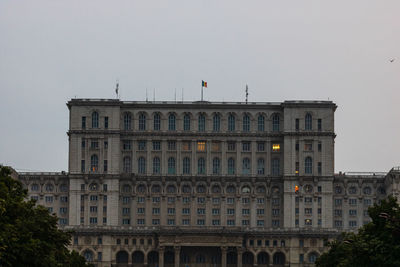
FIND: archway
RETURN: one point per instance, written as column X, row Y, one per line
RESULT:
column 88, row 255
column 262, row 259
column 169, row 259
column 122, row 258
column 247, row 259
column 231, row 259
column 138, row 259
column 152, row 258
column 279, row 259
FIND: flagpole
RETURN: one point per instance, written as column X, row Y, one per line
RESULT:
column 202, row 91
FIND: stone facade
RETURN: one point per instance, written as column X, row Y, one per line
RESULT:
column 205, row 184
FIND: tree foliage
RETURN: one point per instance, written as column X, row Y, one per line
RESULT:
column 28, row 233
column 376, row 243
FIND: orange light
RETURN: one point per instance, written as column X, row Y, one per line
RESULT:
column 296, row 188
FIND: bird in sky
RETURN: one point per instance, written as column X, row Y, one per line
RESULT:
column 391, row 60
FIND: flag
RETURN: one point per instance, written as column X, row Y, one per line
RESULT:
column 204, row 84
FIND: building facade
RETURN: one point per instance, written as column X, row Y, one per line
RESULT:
column 205, row 183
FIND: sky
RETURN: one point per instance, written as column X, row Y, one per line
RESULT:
column 52, row 51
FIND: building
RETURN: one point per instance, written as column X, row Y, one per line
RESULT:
column 205, row 183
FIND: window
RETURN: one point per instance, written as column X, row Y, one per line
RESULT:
column 215, row 222
column 319, row 124
column 126, row 200
column 157, row 122
column 367, row 202
column 338, row 202
column 83, row 143
column 230, row 222
column 141, row 165
column 156, row 211
column 319, row 168
column 172, row 145
column 216, row 123
column 156, row 165
column 93, row 220
column 140, row 210
column 64, row 199
column 171, row 166
column 231, row 166
column 142, row 122
column 308, row 210
column 246, row 123
column 140, row 221
column 231, row 146
column 94, row 163
column 94, row 144
column 352, row 190
column 83, row 122
column 127, row 165
column 186, row 146
column 297, row 124
column 297, row 166
column 201, row 189
column 275, row 223
column 367, row 190
column 260, row 123
column 202, row 123
column 260, row 146
column 276, row 147
column 230, row 211
column 186, row 122
column 230, row 200
column 338, row 223
column 185, row 222
column 215, row 200
column 155, row 189
column 126, row 145
column 186, row 165
column 105, row 165
column 126, row 211
column 352, row 201
column 171, row 122
column 352, row 223
column 246, row 146
column 106, row 122
column 308, row 199
column 142, row 145
column 319, row 146
column 215, row 211
column 308, row 222
column 201, row 166
column 246, row 166
column 260, row 166
column 275, row 123
column 245, row 211
column 352, row 212
column 308, row 165
column 171, row 211
column 170, row 222
column 201, row 211
column 260, row 200
column 308, row 146
column 127, row 121
column 297, row 146
column 95, row 120
column 201, row 146
column 156, row 145
column 231, row 123
column 275, row 167
column 216, row 146
column 338, row 190
column 308, row 122
column 245, row 200
column 200, row 222
column 216, row 166
column 245, row 222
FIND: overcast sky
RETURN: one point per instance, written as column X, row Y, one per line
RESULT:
column 51, row 51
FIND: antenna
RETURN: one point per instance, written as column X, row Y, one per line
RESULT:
column 247, row 93
column 117, row 89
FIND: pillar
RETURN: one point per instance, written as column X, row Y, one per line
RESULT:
column 223, row 256
column 239, row 257
column 177, row 256
column 161, row 257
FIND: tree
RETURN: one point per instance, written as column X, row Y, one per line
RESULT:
column 376, row 243
column 28, row 233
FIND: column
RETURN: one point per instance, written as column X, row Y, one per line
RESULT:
column 239, row 257
column 177, row 256
column 161, row 257
column 223, row 256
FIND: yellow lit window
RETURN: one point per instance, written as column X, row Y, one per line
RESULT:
column 186, row 146
column 276, row 147
column 201, row 146
column 216, row 146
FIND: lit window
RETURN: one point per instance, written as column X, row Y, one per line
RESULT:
column 201, row 146
column 276, row 147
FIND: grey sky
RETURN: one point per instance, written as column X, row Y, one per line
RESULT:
column 51, row 51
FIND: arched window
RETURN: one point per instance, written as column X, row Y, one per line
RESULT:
column 171, row 122
column 127, row 165
column 137, row 257
column 201, row 189
column 94, row 163
column 201, row 166
column 156, row 165
column 142, row 122
column 95, row 120
column 186, row 165
column 308, row 165
column 216, row 166
column 35, row 187
column 260, row 166
column 171, row 166
column 156, row 189
column 312, row 257
column 231, row 123
column 141, row 165
column 246, row 166
column 93, row 187
column 261, row 125
column 308, row 122
column 49, row 188
column 126, row 189
column 186, row 122
column 88, row 255
column 186, row 189
column 275, row 167
column 231, row 166
column 275, row 123
column 216, row 189
column 216, row 123
column 246, row 123
column 171, row 189
column 157, row 122
column 202, row 123
column 246, row 189
column 127, row 121
column 261, row 189
column 141, row 188
column 63, row 188
column 338, row 190
column 200, row 258
column 367, row 190
column 230, row 189
column 279, row 258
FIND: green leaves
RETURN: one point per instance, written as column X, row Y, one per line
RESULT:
column 376, row 243
column 28, row 234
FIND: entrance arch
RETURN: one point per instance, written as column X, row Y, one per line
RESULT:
column 262, row 259
column 279, row 259
column 152, row 258
column 138, row 259
column 122, row 258
column 247, row 259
